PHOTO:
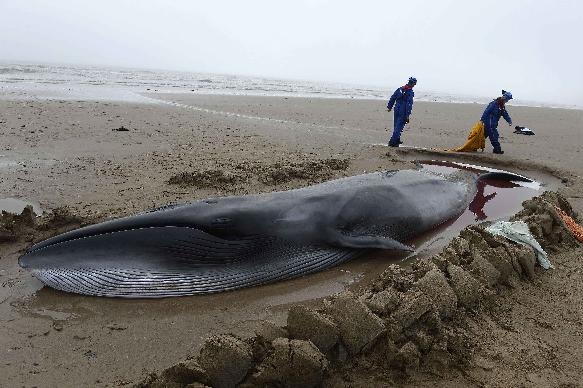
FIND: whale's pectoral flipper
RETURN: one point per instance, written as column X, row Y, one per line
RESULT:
column 339, row 239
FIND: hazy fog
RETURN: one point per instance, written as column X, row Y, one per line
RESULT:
column 529, row 47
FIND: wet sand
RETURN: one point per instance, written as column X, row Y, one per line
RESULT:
column 65, row 153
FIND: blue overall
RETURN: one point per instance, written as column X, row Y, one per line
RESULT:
column 402, row 99
column 490, row 118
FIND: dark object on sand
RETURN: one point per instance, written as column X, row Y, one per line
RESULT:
column 121, row 129
column 227, row 243
column 523, row 130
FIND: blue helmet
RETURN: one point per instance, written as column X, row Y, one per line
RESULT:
column 412, row 81
column 506, row 95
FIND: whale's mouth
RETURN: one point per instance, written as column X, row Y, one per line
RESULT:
column 94, row 231
column 154, row 218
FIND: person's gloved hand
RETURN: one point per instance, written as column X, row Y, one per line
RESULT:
column 389, row 109
column 407, row 120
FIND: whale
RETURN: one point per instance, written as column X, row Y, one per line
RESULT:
column 222, row 244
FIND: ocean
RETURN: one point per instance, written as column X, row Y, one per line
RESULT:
column 82, row 83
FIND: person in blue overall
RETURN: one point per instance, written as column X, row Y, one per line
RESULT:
column 491, row 116
column 402, row 100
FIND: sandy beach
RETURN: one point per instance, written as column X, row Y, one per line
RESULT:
column 63, row 153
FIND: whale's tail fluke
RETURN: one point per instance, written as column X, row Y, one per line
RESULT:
column 504, row 176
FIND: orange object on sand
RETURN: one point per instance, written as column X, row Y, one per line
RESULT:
column 575, row 228
column 476, row 139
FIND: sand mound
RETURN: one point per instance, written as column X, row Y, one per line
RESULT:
column 546, row 224
column 62, row 217
column 292, row 363
column 27, row 227
column 14, row 226
column 203, row 179
column 278, row 173
column 410, row 318
column 316, row 170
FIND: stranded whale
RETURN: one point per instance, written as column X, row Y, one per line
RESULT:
column 222, row 244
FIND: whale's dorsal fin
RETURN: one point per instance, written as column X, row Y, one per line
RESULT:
column 366, row 242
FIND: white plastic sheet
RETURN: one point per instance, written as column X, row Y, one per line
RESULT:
column 518, row 232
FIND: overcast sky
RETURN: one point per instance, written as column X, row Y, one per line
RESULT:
column 532, row 48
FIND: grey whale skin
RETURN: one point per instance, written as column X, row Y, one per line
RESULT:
column 227, row 243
